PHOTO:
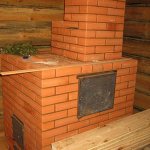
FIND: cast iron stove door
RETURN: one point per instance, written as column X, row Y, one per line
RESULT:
column 18, row 126
column 96, row 93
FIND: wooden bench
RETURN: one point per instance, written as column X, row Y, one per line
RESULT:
column 129, row 133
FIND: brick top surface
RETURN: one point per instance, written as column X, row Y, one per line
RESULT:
column 48, row 62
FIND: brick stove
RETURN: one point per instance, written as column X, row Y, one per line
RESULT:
column 44, row 106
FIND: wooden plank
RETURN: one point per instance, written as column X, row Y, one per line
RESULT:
column 30, row 14
column 59, row 4
column 138, row 2
column 142, row 100
column 136, row 47
column 143, row 83
column 136, row 29
column 137, row 14
column 144, row 65
column 122, row 134
column 24, row 25
column 38, row 36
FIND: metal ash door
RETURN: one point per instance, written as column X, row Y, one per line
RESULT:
column 18, row 134
column 96, row 93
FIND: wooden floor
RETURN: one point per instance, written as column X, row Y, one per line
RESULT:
column 3, row 144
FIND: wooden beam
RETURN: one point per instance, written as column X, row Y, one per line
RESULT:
column 128, row 133
column 22, row 71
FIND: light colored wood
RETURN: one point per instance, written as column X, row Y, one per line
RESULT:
column 22, row 71
column 127, row 133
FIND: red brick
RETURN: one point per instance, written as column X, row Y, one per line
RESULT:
column 114, row 41
column 78, row 125
column 70, row 54
column 97, row 68
column 127, row 91
column 88, row 128
column 67, row 17
column 118, row 48
column 47, row 92
column 129, row 104
column 54, row 132
column 119, row 34
column 112, row 56
column 107, row 3
column 48, row 109
column 116, row 12
column 119, row 106
column 65, row 105
column 92, row 26
column 65, row 121
column 54, row 99
column 120, row 21
column 116, row 94
column 89, row 116
column 133, row 70
column 72, row 40
column 105, row 34
column 56, row 37
column 64, row 31
column 87, row 69
column 104, row 49
column 57, row 51
column 54, row 82
column 60, row 45
column 47, row 141
column 121, row 4
column 83, row 17
column 106, row 19
column 116, row 65
column 66, row 135
column 91, row 42
column 128, row 78
column 93, row 10
column 79, row 2
column 94, row 57
column 130, row 97
column 119, row 27
column 73, row 79
column 83, row 33
column 121, row 72
column 72, row 112
column 122, row 85
column 131, row 63
column 48, row 74
column 107, row 66
column 71, row 9
column 73, row 96
column 95, row 120
column 131, row 83
column 120, row 99
column 129, row 109
column 54, row 116
column 47, row 126
column 73, row 70
column 116, row 113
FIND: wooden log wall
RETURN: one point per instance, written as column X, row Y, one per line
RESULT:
column 137, row 45
column 28, row 20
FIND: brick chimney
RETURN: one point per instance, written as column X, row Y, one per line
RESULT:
column 91, row 30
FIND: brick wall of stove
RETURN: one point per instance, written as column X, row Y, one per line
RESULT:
column 46, row 102
column 91, row 30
